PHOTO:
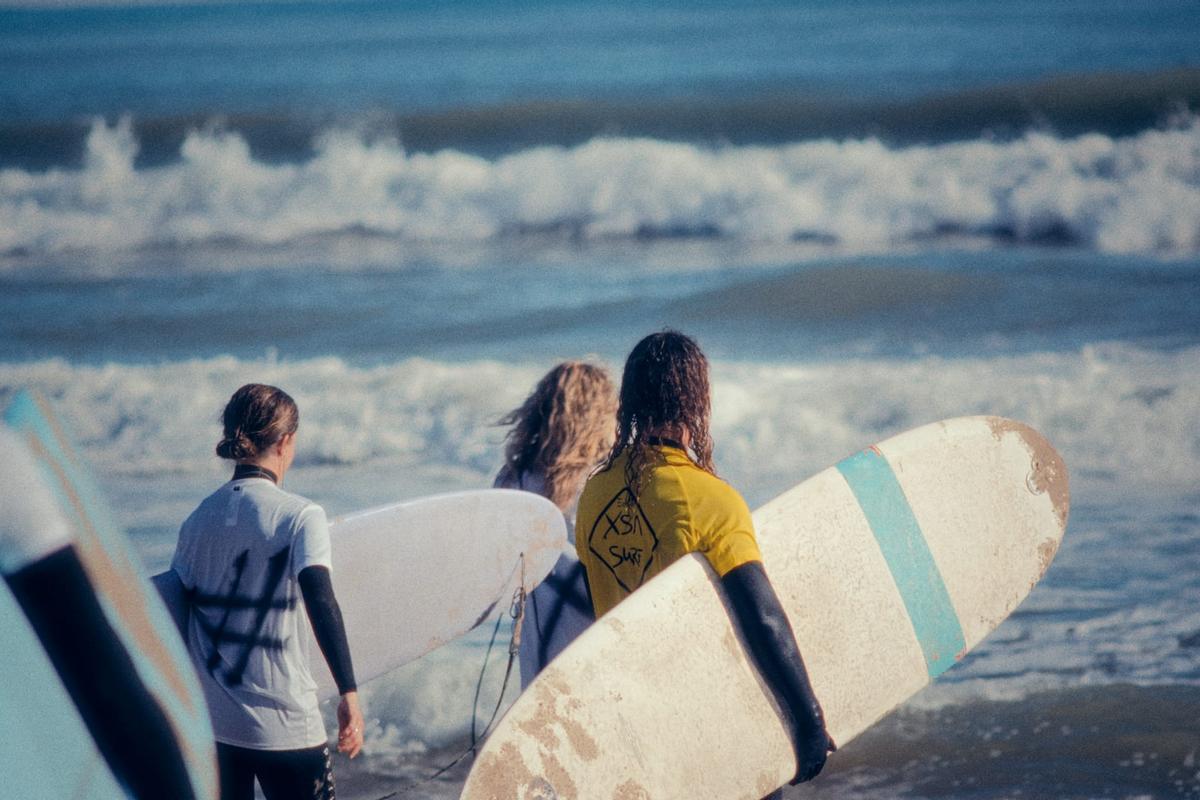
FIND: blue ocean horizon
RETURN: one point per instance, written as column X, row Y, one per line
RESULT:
column 494, row 77
column 872, row 216
column 157, row 59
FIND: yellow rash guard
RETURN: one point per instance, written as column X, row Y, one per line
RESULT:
column 624, row 542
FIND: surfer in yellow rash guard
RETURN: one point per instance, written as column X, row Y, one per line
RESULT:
column 657, row 498
column 558, row 435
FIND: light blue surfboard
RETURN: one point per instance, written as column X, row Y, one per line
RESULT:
column 49, row 751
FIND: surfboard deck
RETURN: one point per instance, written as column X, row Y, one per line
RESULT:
column 410, row 577
column 891, row 566
column 50, row 752
column 413, row 576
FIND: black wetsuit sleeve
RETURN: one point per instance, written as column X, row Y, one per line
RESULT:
column 316, row 586
column 759, row 615
column 129, row 727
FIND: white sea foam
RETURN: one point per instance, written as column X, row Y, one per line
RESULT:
column 1121, row 415
column 1139, row 194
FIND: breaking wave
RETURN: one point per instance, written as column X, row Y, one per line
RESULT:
column 1121, row 415
column 1135, row 194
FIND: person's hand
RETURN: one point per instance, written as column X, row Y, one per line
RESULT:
column 816, row 750
column 350, row 725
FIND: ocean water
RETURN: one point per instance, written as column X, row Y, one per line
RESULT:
column 872, row 216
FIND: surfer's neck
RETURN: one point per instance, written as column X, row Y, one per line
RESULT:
column 247, row 470
column 673, row 433
column 275, row 460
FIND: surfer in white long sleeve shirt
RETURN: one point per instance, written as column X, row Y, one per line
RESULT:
column 246, row 557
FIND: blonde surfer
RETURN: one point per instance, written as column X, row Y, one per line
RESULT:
column 558, row 435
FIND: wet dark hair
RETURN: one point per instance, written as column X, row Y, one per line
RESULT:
column 255, row 418
column 665, row 383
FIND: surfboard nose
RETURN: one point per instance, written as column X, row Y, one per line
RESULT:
column 1047, row 475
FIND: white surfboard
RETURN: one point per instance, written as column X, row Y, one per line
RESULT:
column 412, row 576
column 49, row 750
column 891, row 565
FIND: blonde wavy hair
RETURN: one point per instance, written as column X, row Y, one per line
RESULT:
column 564, row 428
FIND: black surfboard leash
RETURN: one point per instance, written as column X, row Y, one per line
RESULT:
column 516, row 611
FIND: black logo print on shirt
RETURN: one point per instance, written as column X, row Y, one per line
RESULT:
column 623, row 539
column 232, row 603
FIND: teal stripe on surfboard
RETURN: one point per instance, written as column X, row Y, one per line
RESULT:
column 921, row 586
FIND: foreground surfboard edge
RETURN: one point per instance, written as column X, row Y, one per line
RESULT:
column 129, row 603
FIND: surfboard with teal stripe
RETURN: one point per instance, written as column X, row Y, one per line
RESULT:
column 933, row 537
column 68, row 766
column 891, row 564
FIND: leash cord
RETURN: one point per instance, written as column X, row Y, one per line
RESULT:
column 517, row 612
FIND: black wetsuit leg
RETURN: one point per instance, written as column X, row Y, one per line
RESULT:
column 237, row 773
column 305, row 774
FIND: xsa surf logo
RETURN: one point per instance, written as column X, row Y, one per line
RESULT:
column 242, row 607
column 624, row 540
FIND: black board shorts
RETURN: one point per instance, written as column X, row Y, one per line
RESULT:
column 282, row 774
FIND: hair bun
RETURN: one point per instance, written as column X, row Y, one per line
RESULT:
column 236, row 447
